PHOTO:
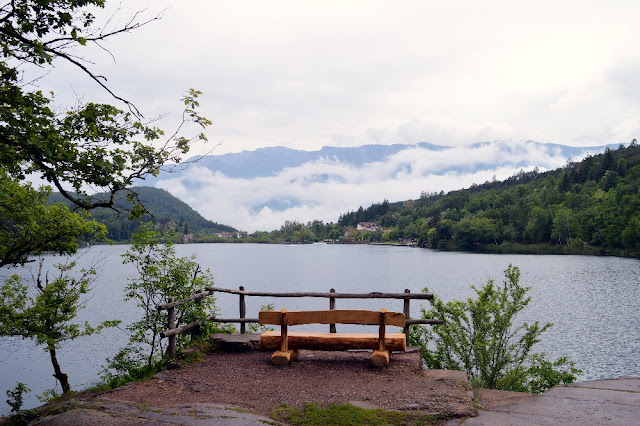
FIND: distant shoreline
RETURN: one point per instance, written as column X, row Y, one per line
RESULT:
column 504, row 248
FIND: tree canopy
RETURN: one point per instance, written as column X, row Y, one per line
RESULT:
column 94, row 145
column 589, row 206
column 30, row 226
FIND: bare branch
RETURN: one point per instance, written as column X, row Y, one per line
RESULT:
column 97, row 78
column 128, row 27
column 183, row 165
column 56, row 47
column 33, row 81
column 106, row 50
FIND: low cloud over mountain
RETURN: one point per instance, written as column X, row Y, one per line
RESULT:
column 260, row 190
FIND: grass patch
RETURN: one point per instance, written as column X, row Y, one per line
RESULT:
column 111, row 381
column 347, row 414
column 127, row 371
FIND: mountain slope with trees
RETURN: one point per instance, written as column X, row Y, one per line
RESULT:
column 592, row 206
column 164, row 209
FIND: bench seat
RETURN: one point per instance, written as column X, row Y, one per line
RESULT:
column 332, row 341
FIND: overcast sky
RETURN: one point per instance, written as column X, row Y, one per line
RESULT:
column 307, row 74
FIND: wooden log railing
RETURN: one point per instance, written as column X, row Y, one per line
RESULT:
column 172, row 330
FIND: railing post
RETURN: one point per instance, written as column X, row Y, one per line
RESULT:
column 172, row 324
column 243, row 311
column 381, row 331
column 332, row 306
column 284, row 337
column 407, row 312
column 198, row 330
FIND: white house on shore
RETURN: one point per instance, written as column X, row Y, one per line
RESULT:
column 368, row 226
column 226, row 234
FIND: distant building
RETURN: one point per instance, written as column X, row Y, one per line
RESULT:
column 186, row 238
column 368, row 226
column 226, row 234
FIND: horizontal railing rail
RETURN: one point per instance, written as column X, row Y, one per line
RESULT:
column 172, row 330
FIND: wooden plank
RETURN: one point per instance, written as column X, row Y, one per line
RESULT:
column 424, row 321
column 270, row 317
column 332, row 341
column 336, row 316
column 212, row 318
column 344, row 316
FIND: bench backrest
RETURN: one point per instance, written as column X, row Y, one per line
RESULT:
column 334, row 316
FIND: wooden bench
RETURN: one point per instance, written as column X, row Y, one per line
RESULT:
column 287, row 343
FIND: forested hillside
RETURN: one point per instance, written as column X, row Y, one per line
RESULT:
column 590, row 206
column 166, row 211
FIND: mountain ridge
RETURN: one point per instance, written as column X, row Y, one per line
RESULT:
column 268, row 161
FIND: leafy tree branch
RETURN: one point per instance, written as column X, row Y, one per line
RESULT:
column 46, row 317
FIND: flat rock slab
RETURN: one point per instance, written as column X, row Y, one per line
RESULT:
column 235, row 342
column 624, row 383
column 110, row 413
column 597, row 402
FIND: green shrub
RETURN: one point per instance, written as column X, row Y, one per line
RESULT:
column 257, row 328
column 481, row 337
column 161, row 275
column 16, row 399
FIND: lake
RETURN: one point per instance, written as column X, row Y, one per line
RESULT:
column 594, row 302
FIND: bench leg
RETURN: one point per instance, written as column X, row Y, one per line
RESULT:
column 380, row 358
column 284, row 357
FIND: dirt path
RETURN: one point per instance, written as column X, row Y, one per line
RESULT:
column 249, row 380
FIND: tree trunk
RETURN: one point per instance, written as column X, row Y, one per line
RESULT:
column 62, row 378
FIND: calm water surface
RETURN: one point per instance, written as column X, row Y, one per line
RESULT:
column 593, row 301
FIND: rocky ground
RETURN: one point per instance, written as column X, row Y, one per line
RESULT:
column 244, row 388
column 246, row 384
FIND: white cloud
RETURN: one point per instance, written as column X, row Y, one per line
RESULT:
column 326, row 188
